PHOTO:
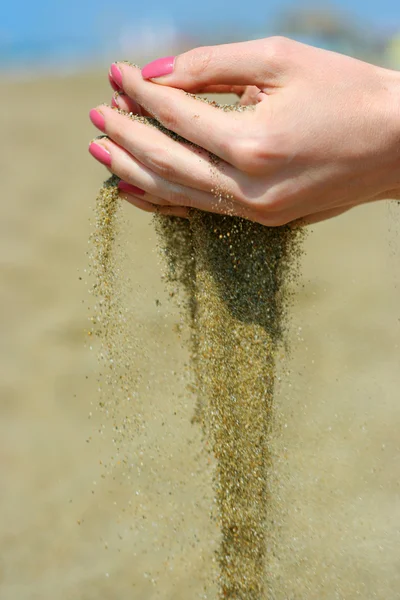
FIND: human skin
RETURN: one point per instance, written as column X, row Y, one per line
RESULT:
column 323, row 136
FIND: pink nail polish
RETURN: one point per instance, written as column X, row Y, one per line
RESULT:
column 159, row 68
column 114, row 102
column 100, row 154
column 97, row 119
column 130, row 189
column 112, row 83
column 116, row 75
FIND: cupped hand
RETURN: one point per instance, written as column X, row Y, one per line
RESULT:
column 323, row 136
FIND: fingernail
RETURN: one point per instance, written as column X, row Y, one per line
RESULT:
column 112, row 83
column 130, row 189
column 159, row 68
column 100, row 154
column 114, row 101
column 116, row 75
column 97, row 119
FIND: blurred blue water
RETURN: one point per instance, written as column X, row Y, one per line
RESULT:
column 36, row 34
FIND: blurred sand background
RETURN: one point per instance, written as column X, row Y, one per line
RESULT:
column 74, row 528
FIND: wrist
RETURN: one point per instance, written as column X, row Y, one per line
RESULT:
column 390, row 118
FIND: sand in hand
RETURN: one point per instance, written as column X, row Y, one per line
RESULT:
column 235, row 275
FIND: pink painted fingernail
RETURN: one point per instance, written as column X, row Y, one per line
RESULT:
column 114, row 102
column 116, row 75
column 159, row 68
column 130, row 189
column 97, row 119
column 100, row 154
column 112, row 83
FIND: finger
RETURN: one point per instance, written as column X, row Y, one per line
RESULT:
column 238, row 90
column 127, row 188
column 222, row 89
column 173, row 211
column 173, row 160
column 123, row 102
column 255, row 62
column 129, row 170
column 132, row 190
column 250, row 96
column 112, row 82
column 153, row 205
column 199, row 122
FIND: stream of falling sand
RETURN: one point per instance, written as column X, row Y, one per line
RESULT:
column 235, row 275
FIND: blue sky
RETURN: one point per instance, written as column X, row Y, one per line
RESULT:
column 38, row 29
column 33, row 18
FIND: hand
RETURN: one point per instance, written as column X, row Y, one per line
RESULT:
column 323, row 137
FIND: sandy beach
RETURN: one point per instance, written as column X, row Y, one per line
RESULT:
column 81, row 520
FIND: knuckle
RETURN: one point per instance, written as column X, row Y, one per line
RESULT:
column 274, row 201
column 249, row 97
column 277, row 51
column 259, row 149
column 250, row 154
column 277, row 47
column 121, row 169
column 177, row 196
column 117, row 130
column 160, row 162
column 197, row 62
column 124, row 173
column 166, row 114
column 280, row 54
column 242, row 196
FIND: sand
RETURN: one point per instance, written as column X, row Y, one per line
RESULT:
column 237, row 276
column 234, row 276
column 65, row 533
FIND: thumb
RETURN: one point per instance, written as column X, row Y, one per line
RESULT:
column 257, row 62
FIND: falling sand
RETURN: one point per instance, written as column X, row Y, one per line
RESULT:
column 235, row 276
